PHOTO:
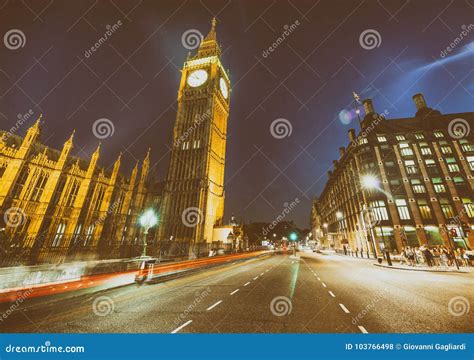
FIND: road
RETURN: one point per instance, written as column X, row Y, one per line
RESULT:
column 275, row 294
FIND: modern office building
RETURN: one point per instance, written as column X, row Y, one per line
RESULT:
column 400, row 182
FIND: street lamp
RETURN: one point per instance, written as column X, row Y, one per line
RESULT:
column 370, row 182
column 148, row 219
column 294, row 238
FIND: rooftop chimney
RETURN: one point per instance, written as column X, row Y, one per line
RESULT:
column 341, row 151
column 352, row 134
column 419, row 101
column 368, row 106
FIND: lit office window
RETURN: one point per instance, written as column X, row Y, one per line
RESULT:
column 470, row 161
column 400, row 137
column 425, row 210
column 468, row 207
column 402, row 209
column 411, row 167
column 438, row 134
column 417, row 186
column 465, row 146
column 446, row 208
column 425, row 151
column 381, row 139
column 419, row 136
column 446, row 150
column 379, row 210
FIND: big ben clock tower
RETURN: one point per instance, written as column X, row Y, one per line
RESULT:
column 193, row 197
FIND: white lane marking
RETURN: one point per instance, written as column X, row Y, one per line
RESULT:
column 182, row 326
column 233, row 292
column 255, row 278
column 267, row 270
column 319, row 279
column 331, row 293
column 344, row 308
column 362, row 329
column 247, row 283
column 261, row 274
column 324, row 285
column 213, row 306
column 315, row 274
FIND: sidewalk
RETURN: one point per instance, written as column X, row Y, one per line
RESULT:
column 396, row 265
column 462, row 269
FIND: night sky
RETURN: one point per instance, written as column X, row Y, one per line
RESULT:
column 132, row 80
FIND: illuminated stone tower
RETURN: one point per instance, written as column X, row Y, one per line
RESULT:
column 193, row 198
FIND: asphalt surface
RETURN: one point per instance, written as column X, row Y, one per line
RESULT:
column 274, row 294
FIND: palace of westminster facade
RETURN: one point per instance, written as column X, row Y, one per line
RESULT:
column 55, row 207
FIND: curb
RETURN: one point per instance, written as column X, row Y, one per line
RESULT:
column 426, row 270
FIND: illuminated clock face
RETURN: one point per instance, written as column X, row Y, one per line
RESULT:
column 197, row 78
column 224, row 89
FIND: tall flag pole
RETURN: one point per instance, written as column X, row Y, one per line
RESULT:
column 356, row 106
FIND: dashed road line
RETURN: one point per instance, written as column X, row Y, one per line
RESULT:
column 247, row 283
column 324, row 285
column 213, row 306
column 233, row 292
column 261, row 274
column 319, row 279
column 182, row 326
column 362, row 329
column 344, row 308
column 255, row 278
column 331, row 293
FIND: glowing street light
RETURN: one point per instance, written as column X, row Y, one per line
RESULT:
column 148, row 219
column 339, row 215
column 294, row 238
column 370, row 182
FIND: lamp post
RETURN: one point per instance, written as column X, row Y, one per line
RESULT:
column 294, row 238
column 148, row 219
column 370, row 182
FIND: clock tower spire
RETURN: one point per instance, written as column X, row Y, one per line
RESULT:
column 193, row 197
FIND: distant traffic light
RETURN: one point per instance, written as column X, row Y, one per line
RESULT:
column 293, row 236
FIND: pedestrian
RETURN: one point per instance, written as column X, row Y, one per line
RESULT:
column 444, row 259
column 428, row 256
column 410, row 256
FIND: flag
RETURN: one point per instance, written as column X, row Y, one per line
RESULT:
column 356, row 97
